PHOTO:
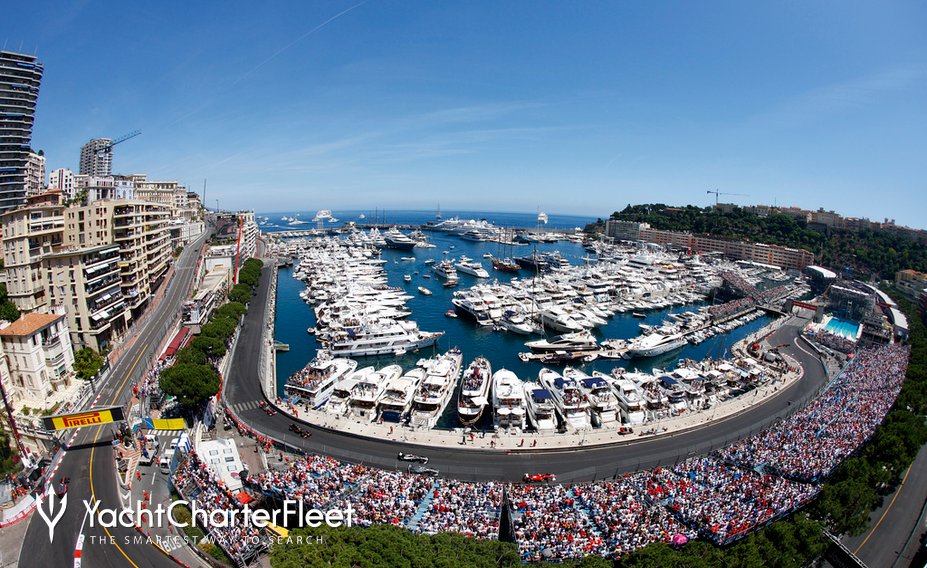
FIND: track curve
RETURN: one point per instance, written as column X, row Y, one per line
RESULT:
column 569, row 464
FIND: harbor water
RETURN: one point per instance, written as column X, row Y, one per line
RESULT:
column 294, row 317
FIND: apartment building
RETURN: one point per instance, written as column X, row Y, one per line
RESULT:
column 96, row 157
column 28, row 234
column 88, row 283
column 35, row 173
column 624, row 230
column 785, row 257
column 140, row 230
column 98, row 188
column 39, row 357
column 912, row 284
column 62, row 179
column 20, row 76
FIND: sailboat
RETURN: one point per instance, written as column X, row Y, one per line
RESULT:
column 505, row 262
column 438, row 215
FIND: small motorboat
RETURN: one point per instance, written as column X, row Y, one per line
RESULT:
column 450, row 314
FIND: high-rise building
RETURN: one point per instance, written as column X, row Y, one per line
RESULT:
column 95, row 159
column 28, row 233
column 62, row 179
column 35, row 173
column 20, row 76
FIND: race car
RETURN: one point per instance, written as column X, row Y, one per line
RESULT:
column 429, row 471
column 539, row 477
column 412, row 458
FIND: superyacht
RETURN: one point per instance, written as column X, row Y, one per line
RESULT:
column 436, row 389
column 474, row 391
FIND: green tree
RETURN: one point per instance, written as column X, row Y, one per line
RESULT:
column 191, row 384
column 87, row 363
column 190, row 356
column 389, row 546
column 211, row 346
column 221, row 329
column 241, row 293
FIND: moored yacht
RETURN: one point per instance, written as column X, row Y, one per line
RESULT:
column 396, row 401
column 435, row 391
column 579, row 341
column 508, row 400
column 314, row 384
column 568, row 397
column 655, row 344
column 471, row 267
column 558, row 319
column 602, row 400
column 541, row 410
column 338, row 402
column 474, row 391
column 384, row 337
column 630, row 398
column 367, row 392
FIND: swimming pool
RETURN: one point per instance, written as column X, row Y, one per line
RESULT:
column 843, row 328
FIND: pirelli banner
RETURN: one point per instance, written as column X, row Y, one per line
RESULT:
column 92, row 417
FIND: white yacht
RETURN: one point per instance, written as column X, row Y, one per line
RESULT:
column 655, row 344
column 474, row 391
column 435, row 391
column 396, row 401
column 558, row 319
column 445, row 269
column 424, row 291
column 383, row 337
column 367, row 392
column 518, row 323
column 471, row 267
column 568, row 397
column 314, row 384
column 579, row 341
column 541, row 410
column 338, row 402
column 630, row 398
column 508, row 400
column 602, row 400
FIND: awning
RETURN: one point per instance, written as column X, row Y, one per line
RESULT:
column 244, row 498
column 178, row 341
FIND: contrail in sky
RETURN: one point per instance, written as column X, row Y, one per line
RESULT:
column 297, row 40
column 273, row 56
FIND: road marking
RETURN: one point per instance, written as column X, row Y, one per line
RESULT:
column 93, row 450
column 887, row 509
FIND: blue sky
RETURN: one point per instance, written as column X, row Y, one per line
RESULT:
column 573, row 107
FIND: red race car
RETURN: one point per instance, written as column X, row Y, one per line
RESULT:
column 539, row 477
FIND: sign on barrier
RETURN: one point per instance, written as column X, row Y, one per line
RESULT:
column 88, row 418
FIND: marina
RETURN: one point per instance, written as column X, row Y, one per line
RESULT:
column 617, row 359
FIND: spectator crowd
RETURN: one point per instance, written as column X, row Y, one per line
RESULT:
column 720, row 497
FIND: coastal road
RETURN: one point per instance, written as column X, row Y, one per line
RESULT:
column 569, row 464
column 89, row 461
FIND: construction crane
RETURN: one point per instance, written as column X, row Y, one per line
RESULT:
column 717, row 193
column 108, row 148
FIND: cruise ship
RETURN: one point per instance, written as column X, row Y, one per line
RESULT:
column 508, row 401
column 314, row 384
column 396, row 240
column 436, row 389
column 337, row 403
column 474, row 391
column 568, row 397
column 396, row 401
column 445, row 269
column 386, row 337
column 541, row 410
column 367, row 392
column 655, row 344
column 579, row 341
column 471, row 267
